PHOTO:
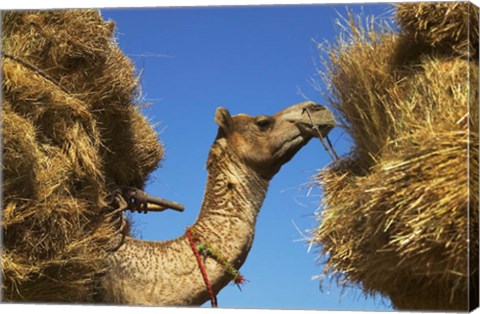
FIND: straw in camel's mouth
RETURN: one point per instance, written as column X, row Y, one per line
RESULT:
column 321, row 131
column 330, row 149
column 325, row 128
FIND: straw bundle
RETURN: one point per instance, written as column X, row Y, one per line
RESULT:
column 70, row 129
column 449, row 29
column 399, row 208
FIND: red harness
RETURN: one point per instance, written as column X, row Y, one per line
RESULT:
column 193, row 245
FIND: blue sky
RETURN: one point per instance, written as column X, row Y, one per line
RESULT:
column 254, row 60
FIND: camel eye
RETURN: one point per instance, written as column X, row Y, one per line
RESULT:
column 263, row 123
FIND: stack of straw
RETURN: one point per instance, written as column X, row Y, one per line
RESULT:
column 400, row 211
column 70, row 129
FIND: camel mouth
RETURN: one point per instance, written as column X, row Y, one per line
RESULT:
column 313, row 129
column 324, row 128
column 321, row 131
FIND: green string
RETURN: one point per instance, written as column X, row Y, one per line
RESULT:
column 206, row 250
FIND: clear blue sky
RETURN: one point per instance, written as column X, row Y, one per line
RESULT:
column 255, row 60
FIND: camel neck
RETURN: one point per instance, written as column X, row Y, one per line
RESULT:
column 226, row 223
column 233, row 197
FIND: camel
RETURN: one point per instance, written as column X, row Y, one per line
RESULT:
column 247, row 152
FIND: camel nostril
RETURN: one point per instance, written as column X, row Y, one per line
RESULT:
column 317, row 107
column 313, row 107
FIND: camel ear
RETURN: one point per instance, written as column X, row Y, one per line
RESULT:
column 223, row 119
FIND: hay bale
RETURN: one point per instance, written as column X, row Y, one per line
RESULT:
column 397, row 210
column 70, row 129
column 440, row 28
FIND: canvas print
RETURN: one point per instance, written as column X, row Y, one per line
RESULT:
column 318, row 156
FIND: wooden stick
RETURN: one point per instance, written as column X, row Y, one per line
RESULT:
column 138, row 200
column 158, row 204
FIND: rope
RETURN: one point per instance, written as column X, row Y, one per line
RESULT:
column 120, row 204
column 213, row 298
column 33, row 68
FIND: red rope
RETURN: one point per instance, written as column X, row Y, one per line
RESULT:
column 213, row 298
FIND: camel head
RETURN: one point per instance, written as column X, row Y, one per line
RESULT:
column 265, row 143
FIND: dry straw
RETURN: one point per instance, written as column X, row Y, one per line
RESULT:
column 70, row 129
column 397, row 208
